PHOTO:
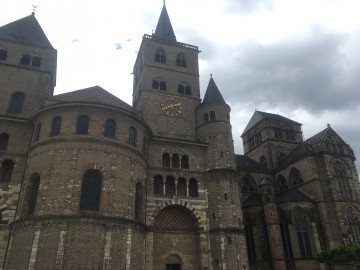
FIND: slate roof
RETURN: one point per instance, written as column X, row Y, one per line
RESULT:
column 25, row 31
column 244, row 162
column 212, row 93
column 258, row 116
column 94, row 94
column 292, row 195
column 164, row 28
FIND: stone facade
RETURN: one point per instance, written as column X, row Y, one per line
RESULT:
column 90, row 182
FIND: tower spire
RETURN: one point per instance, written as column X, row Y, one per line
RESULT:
column 164, row 28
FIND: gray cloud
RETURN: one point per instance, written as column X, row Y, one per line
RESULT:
column 305, row 71
column 248, row 6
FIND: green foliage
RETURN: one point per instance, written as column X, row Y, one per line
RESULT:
column 340, row 254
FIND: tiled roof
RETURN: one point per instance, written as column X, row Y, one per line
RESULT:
column 258, row 116
column 244, row 162
column 25, row 31
column 292, row 195
column 94, row 94
column 164, row 28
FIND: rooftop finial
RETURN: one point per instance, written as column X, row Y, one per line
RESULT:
column 211, row 75
column 164, row 2
column 34, row 9
column 328, row 125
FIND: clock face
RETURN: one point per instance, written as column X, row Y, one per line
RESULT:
column 171, row 106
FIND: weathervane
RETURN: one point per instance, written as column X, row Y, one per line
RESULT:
column 34, row 9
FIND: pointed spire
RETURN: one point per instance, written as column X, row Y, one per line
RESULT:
column 164, row 28
column 25, row 31
column 212, row 93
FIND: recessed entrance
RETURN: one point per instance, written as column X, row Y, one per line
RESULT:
column 173, row 267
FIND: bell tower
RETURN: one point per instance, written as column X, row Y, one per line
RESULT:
column 166, row 82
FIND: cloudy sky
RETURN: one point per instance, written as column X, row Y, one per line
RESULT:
column 298, row 58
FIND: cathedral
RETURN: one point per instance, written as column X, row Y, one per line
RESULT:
column 90, row 182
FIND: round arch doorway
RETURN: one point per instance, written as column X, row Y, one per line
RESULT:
column 176, row 239
column 173, row 262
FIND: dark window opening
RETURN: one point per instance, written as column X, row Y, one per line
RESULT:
column 132, row 136
column 263, row 161
column 342, row 180
column 25, row 60
column 36, row 61
column 212, row 116
column 170, row 185
column 155, row 84
column 248, row 184
column 181, row 60
column 158, row 185
column 3, row 55
column 91, row 191
column 229, row 240
column 295, row 177
column 162, row 85
column 353, row 224
column 184, row 162
column 6, row 170
column 206, row 117
column 56, row 126
column 302, row 232
column 110, row 128
column 34, row 190
column 160, row 56
column 263, row 237
column 4, row 139
column 193, row 188
column 187, row 90
column 37, row 132
column 226, row 197
column 166, row 160
column 16, row 103
column 214, row 216
column 250, row 243
column 82, row 126
column 282, row 183
column 175, row 161
column 285, row 234
column 181, row 187
column 139, row 202
column 181, row 89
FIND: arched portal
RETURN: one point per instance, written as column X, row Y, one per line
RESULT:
column 176, row 240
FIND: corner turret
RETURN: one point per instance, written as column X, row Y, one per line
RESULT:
column 213, row 127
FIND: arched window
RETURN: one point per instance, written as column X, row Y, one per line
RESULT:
column 170, row 185
column 82, row 126
column 110, row 128
column 158, row 84
column 181, row 187
column 56, row 126
column 6, row 170
column 302, row 232
column 175, row 161
column 158, row 185
column 352, row 223
column 139, row 202
column 285, row 235
column 160, row 56
column 184, row 162
column 166, row 160
column 4, row 139
column 212, row 116
column 155, row 84
column 248, row 184
column 342, row 180
column 184, row 89
column 25, row 60
column 226, row 196
column 188, row 90
column 193, row 188
column 132, row 136
column 162, row 85
column 16, row 103
column 229, row 238
column 181, row 60
column 91, row 191
column 3, row 55
column 295, row 177
column 37, row 132
column 282, row 184
column 33, row 192
column 248, row 226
